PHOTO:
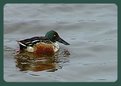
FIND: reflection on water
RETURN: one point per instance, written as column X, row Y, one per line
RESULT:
column 91, row 29
column 26, row 61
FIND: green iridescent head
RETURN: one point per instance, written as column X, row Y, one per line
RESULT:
column 53, row 36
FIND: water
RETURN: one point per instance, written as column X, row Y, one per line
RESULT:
column 91, row 29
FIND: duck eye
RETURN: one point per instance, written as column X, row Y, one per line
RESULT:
column 54, row 35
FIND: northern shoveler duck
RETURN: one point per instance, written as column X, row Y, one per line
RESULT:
column 42, row 46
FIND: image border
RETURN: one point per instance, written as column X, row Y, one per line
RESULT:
column 4, row 83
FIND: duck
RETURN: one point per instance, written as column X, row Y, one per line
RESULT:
column 42, row 45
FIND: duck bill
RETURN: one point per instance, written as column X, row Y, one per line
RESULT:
column 63, row 41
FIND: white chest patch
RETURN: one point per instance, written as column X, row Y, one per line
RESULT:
column 56, row 47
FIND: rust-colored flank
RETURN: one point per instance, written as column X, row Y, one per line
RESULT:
column 43, row 49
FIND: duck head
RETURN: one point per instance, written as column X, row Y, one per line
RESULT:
column 53, row 36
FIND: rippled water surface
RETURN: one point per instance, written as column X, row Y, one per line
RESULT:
column 91, row 30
